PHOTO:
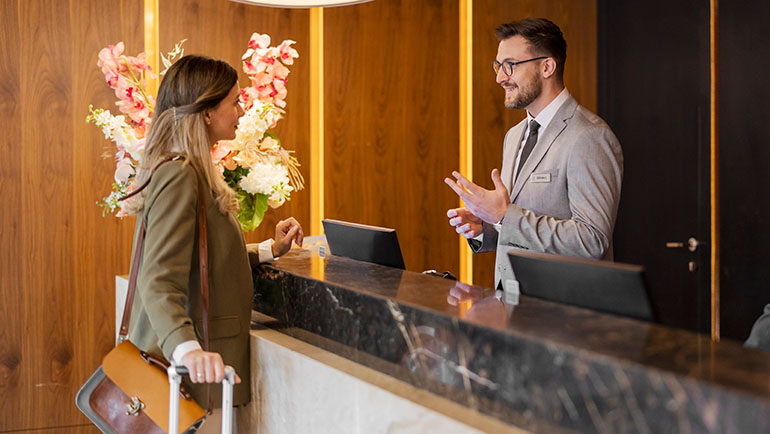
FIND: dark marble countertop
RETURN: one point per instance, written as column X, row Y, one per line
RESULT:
column 540, row 366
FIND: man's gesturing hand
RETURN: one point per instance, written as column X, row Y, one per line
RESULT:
column 488, row 205
column 465, row 223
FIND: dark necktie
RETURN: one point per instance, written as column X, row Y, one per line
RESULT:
column 528, row 145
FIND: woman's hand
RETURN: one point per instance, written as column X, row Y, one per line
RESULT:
column 286, row 231
column 205, row 367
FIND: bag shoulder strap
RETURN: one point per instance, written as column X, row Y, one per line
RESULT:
column 202, row 254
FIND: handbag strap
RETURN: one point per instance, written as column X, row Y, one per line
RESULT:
column 202, row 254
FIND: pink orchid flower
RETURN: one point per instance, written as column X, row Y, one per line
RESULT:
column 279, row 83
column 259, row 41
column 256, row 43
column 134, row 105
column 123, row 170
column 264, row 63
column 265, row 92
column 261, row 80
column 229, row 163
column 248, row 96
column 121, row 87
column 279, row 98
column 139, row 62
column 221, row 150
column 278, row 70
column 249, row 68
column 286, row 53
column 109, row 58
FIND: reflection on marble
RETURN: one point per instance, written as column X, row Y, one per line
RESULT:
column 294, row 392
column 542, row 366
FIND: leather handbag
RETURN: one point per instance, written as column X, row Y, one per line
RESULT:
column 129, row 392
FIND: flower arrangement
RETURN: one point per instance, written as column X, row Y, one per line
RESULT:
column 254, row 164
column 127, row 76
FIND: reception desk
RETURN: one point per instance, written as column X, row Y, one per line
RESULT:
column 537, row 367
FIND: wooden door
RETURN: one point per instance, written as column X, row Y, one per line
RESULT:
column 654, row 93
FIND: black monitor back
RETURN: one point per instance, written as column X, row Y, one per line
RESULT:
column 364, row 243
column 599, row 285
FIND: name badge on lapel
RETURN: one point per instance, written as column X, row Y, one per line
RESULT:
column 540, row 177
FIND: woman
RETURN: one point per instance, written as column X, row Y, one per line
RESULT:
column 198, row 105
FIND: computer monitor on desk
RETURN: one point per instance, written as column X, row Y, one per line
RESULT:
column 604, row 286
column 363, row 242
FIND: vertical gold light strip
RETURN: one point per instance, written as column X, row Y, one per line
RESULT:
column 152, row 43
column 715, row 294
column 466, row 120
column 316, row 120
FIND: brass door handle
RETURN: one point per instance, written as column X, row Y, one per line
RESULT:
column 691, row 244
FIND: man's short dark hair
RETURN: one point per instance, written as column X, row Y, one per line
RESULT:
column 543, row 35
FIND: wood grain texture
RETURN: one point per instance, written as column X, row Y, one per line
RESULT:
column 59, row 257
column 101, row 246
column 491, row 120
column 11, row 291
column 222, row 29
column 46, row 187
column 391, row 119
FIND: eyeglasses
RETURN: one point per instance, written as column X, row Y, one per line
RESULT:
column 510, row 67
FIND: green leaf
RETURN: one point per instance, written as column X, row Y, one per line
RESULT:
column 253, row 208
column 233, row 177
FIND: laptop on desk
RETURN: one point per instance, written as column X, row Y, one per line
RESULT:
column 603, row 286
column 363, row 242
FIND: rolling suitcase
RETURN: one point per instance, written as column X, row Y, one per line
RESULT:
column 175, row 374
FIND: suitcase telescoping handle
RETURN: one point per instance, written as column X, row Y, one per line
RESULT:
column 175, row 374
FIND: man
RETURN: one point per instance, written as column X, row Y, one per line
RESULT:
column 562, row 166
column 760, row 332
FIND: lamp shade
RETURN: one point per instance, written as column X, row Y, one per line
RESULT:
column 300, row 3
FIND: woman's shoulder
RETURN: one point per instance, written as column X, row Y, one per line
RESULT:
column 174, row 177
column 176, row 171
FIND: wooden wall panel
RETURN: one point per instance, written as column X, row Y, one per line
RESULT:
column 100, row 246
column 391, row 90
column 59, row 257
column 491, row 120
column 11, row 326
column 46, row 186
column 221, row 29
column 391, row 119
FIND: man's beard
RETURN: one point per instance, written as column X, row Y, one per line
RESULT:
column 526, row 95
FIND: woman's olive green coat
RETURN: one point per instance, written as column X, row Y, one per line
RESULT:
column 167, row 308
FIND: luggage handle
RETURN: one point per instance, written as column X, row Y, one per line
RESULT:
column 175, row 374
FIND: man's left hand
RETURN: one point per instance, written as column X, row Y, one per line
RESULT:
column 488, row 205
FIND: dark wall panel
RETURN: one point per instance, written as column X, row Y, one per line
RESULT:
column 744, row 141
column 654, row 93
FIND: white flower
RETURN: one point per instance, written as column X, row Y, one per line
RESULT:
column 266, row 178
column 116, row 129
column 280, row 194
column 112, row 200
column 253, row 124
column 251, row 128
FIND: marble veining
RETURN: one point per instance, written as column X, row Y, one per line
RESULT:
column 540, row 366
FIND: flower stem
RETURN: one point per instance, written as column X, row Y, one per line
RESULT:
column 139, row 85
